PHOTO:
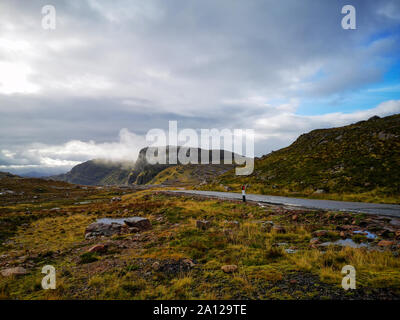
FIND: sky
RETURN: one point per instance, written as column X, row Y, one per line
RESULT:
column 112, row 70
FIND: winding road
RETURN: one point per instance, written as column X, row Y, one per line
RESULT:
column 391, row 210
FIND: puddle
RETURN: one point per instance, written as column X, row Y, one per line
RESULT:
column 368, row 234
column 83, row 202
column 345, row 243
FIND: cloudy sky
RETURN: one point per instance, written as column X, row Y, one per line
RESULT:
column 112, row 70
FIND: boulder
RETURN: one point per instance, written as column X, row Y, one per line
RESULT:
column 229, row 268
column 188, row 262
column 138, row 222
column 17, row 271
column 203, row 224
column 97, row 229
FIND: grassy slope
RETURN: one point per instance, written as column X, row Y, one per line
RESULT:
column 126, row 271
column 189, row 174
column 359, row 162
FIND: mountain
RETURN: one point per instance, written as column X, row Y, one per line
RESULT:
column 360, row 161
column 190, row 174
column 102, row 172
column 97, row 172
column 146, row 173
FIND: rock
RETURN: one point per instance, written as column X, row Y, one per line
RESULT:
column 279, row 229
column 114, row 199
column 138, row 222
column 203, row 224
column 345, row 228
column 385, row 243
column 314, row 241
column 17, row 271
column 319, row 191
column 156, row 266
column 98, row 248
column 234, row 224
column 102, row 229
column 320, row 233
column 290, row 251
column 229, row 268
column 189, row 262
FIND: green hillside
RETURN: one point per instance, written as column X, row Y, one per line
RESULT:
column 358, row 162
column 98, row 172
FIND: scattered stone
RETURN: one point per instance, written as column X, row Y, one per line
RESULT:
column 98, row 248
column 138, row 222
column 282, row 244
column 229, row 268
column 279, row 229
column 203, row 224
column 320, row 233
column 234, row 224
column 385, row 243
column 189, row 262
column 17, row 271
column 156, row 266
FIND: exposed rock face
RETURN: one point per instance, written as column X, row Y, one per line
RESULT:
column 17, row 271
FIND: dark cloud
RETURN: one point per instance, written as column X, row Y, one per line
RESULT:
column 138, row 64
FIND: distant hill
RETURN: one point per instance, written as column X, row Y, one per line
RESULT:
column 97, row 172
column 102, row 172
column 360, row 161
